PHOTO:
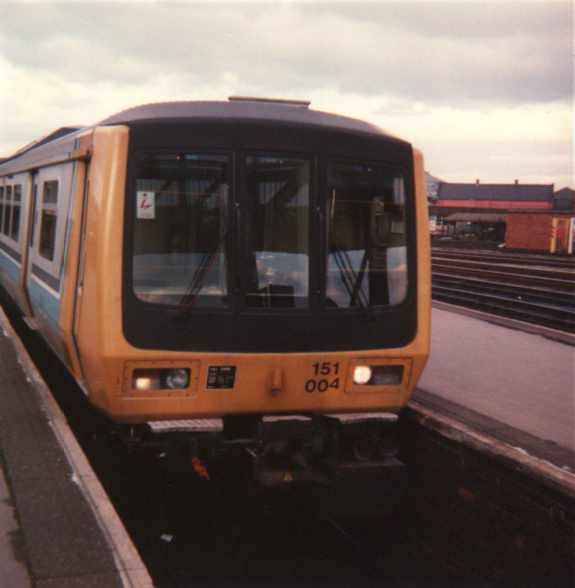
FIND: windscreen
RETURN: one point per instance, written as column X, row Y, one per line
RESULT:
column 181, row 224
column 278, row 231
column 367, row 252
column 183, row 232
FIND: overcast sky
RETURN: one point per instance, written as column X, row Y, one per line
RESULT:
column 484, row 89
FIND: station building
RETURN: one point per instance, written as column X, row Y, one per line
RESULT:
column 516, row 216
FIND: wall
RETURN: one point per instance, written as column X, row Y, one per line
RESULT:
column 487, row 518
column 529, row 231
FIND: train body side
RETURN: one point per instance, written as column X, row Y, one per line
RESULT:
column 38, row 268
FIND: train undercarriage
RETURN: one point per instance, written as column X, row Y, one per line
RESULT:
column 348, row 463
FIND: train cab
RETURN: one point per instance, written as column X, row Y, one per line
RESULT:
column 246, row 270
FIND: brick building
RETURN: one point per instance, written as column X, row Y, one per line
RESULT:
column 547, row 231
column 541, row 231
column 480, row 211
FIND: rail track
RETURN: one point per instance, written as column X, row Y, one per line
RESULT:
column 532, row 288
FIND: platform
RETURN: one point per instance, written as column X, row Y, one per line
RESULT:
column 516, row 385
column 57, row 527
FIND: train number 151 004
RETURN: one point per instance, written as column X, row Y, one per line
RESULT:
column 325, row 376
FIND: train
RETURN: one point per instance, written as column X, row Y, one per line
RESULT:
column 250, row 277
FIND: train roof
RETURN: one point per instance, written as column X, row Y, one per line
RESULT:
column 52, row 137
column 236, row 109
column 243, row 109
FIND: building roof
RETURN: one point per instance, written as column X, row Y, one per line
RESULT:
column 508, row 192
column 478, row 217
column 253, row 109
column 564, row 199
column 565, row 192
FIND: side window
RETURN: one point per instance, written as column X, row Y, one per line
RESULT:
column 48, row 220
column 7, row 211
column 34, row 204
column 16, row 206
column 1, row 206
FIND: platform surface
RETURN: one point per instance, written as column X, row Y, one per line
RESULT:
column 13, row 571
column 49, row 534
column 523, row 380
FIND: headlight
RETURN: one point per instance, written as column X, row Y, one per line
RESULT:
column 378, row 375
column 148, row 379
column 177, row 379
column 143, row 383
column 361, row 374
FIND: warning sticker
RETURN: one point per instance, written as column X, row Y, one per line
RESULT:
column 221, row 376
column 146, row 205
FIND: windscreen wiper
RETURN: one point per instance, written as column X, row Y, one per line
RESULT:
column 350, row 279
column 196, row 283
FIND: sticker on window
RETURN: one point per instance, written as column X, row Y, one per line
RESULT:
column 146, row 205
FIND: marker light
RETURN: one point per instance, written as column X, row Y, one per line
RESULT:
column 387, row 375
column 177, row 378
column 362, row 374
column 143, row 383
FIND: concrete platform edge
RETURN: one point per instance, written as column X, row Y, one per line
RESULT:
column 547, row 473
column 553, row 334
column 129, row 565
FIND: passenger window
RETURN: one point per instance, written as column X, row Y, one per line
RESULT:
column 16, row 205
column 49, row 220
column 7, row 211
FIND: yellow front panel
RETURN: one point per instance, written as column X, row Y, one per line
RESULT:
column 265, row 383
column 278, row 383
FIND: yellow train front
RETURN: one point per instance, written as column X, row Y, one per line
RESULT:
column 250, row 274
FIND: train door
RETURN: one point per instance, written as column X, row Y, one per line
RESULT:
column 47, row 238
column 27, row 230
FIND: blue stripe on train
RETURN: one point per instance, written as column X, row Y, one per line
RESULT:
column 43, row 300
column 9, row 269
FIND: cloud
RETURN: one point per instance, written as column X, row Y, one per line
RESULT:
column 470, row 83
column 440, row 53
column 533, row 143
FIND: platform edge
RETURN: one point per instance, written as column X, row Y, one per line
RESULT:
column 549, row 474
column 129, row 565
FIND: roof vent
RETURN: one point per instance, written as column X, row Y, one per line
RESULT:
column 287, row 102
